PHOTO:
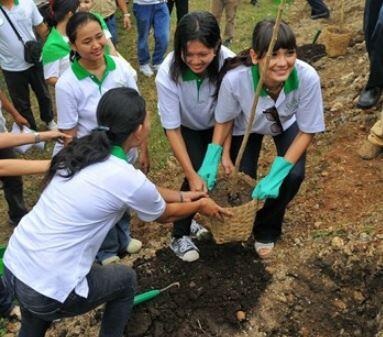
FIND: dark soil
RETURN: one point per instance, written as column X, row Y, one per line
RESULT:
column 311, row 52
column 226, row 196
column 226, row 279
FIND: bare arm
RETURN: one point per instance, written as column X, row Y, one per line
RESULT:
column 52, row 81
column 11, row 140
column 18, row 167
column 9, row 107
column 42, row 30
column 112, row 48
column 298, row 146
column 179, row 148
column 221, row 132
column 71, row 133
column 124, row 10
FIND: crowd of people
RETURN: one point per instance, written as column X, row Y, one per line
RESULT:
column 92, row 182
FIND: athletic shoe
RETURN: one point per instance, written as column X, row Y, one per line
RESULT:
column 155, row 67
column 52, row 125
column 110, row 260
column 199, row 232
column 185, row 249
column 134, row 246
column 146, row 70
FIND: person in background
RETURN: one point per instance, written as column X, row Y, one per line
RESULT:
column 151, row 14
column 319, row 10
column 182, row 7
column 230, row 8
column 19, row 74
column 186, row 85
column 373, row 33
column 48, row 264
column 289, row 109
column 107, row 9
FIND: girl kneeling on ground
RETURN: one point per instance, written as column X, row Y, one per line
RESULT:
column 186, row 84
column 89, row 186
column 289, row 109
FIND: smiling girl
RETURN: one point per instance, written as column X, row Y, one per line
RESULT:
column 186, row 83
column 289, row 109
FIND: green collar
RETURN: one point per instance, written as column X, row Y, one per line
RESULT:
column 81, row 73
column 15, row 2
column 291, row 84
column 118, row 152
column 189, row 75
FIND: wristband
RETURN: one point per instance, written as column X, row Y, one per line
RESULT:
column 181, row 197
column 37, row 137
column 127, row 15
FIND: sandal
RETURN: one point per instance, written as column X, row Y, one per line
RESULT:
column 263, row 249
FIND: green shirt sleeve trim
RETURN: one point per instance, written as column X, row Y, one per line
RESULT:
column 55, row 47
column 291, row 84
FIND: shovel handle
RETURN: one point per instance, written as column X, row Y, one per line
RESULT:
column 145, row 296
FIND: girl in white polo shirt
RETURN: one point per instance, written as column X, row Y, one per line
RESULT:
column 290, row 109
column 89, row 186
column 186, row 85
column 78, row 92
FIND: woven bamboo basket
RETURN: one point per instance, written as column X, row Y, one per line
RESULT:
column 240, row 225
column 336, row 41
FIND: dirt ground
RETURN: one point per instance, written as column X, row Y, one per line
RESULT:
column 325, row 277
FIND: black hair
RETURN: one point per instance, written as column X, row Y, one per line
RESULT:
column 119, row 113
column 59, row 9
column 196, row 26
column 261, row 39
column 77, row 20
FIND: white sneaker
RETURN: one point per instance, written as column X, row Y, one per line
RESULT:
column 110, row 260
column 185, row 249
column 199, row 232
column 134, row 246
column 155, row 67
column 52, row 125
column 146, row 70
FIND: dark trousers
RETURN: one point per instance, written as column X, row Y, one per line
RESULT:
column 268, row 221
column 317, row 6
column 18, row 83
column 182, row 7
column 196, row 145
column 6, row 300
column 114, row 285
column 373, row 32
column 13, row 191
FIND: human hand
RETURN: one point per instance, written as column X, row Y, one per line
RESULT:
column 196, row 183
column 20, row 121
column 54, row 135
column 227, row 164
column 210, row 208
column 126, row 22
column 193, row 195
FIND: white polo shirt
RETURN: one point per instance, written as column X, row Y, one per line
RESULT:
column 24, row 16
column 189, row 102
column 148, row 2
column 53, row 247
column 78, row 93
column 300, row 100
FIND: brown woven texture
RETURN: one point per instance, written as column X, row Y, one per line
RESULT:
column 336, row 42
column 240, row 225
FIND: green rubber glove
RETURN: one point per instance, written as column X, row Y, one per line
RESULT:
column 209, row 168
column 270, row 185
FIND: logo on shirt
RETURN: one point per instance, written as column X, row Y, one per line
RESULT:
column 292, row 106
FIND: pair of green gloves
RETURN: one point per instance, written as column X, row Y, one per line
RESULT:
column 268, row 187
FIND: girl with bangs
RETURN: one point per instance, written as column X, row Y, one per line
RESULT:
column 290, row 109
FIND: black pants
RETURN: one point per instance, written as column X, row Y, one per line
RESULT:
column 182, row 7
column 317, row 6
column 13, row 191
column 196, row 146
column 18, row 86
column 373, row 33
column 268, row 221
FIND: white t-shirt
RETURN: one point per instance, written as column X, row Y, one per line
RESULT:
column 53, row 247
column 56, row 68
column 189, row 102
column 300, row 101
column 148, row 2
column 78, row 93
column 24, row 16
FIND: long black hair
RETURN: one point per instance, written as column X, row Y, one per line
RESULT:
column 196, row 26
column 119, row 113
column 262, row 34
column 77, row 20
column 59, row 9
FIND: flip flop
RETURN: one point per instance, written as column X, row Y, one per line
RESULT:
column 263, row 249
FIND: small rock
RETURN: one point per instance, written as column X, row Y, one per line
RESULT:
column 358, row 296
column 337, row 242
column 339, row 304
column 324, row 174
column 364, row 237
column 318, row 224
column 192, row 284
column 304, row 332
column 241, row 315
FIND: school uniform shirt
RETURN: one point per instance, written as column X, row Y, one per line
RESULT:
column 148, row 2
column 24, row 16
column 299, row 101
column 190, row 101
column 56, row 51
column 54, row 246
column 78, row 93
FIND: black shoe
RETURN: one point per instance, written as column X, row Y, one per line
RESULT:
column 323, row 15
column 369, row 97
column 253, row 2
column 227, row 42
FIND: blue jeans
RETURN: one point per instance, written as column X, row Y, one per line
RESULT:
column 156, row 16
column 112, row 26
column 268, row 221
column 317, row 6
column 117, row 240
column 373, row 32
column 114, row 285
